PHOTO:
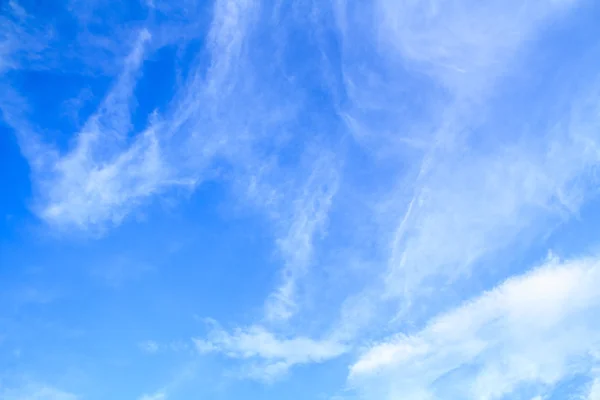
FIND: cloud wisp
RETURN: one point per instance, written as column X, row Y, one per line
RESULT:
column 268, row 356
column 495, row 343
column 460, row 198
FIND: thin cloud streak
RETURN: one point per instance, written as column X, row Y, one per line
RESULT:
column 308, row 219
column 455, row 203
column 97, row 180
column 268, row 356
column 491, row 345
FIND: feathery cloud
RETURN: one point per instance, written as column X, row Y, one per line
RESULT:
column 269, row 356
column 491, row 345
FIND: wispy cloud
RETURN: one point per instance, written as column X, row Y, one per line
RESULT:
column 524, row 187
column 495, row 343
column 268, row 356
column 453, row 202
column 462, row 43
column 100, row 179
column 19, row 42
column 110, row 170
column 226, row 38
column 221, row 116
column 463, row 46
column 456, row 199
column 308, row 218
column 594, row 392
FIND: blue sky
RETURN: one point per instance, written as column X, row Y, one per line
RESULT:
column 312, row 199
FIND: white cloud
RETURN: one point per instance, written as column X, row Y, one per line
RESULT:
column 461, row 43
column 110, row 170
column 308, row 218
column 297, row 202
column 594, row 390
column 457, row 198
column 268, row 356
column 99, row 180
column 86, row 193
column 533, row 329
column 226, row 38
column 471, row 204
column 21, row 39
column 220, row 116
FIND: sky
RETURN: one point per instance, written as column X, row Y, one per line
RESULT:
column 302, row 199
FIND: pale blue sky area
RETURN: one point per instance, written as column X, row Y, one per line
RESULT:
column 312, row 199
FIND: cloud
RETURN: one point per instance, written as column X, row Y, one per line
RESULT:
column 455, row 199
column 19, row 35
column 308, row 218
column 30, row 41
column 226, row 39
column 110, row 170
column 496, row 343
column 98, row 180
column 269, row 356
column 462, row 44
column 84, row 193
column 520, row 189
column 222, row 117
column 419, row 80
column 594, row 393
